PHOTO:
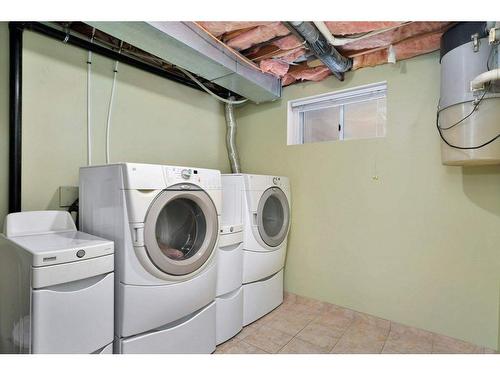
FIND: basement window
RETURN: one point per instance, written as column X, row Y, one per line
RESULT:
column 355, row 113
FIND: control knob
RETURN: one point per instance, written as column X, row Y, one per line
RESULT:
column 186, row 174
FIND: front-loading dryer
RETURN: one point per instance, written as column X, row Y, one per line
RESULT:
column 267, row 222
column 266, row 211
column 165, row 224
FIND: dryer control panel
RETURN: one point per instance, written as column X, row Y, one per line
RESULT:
column 277, row 181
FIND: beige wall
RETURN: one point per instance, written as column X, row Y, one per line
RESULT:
column 153, row 120
column 420, row 245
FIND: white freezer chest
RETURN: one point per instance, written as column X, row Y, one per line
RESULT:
column 56, row 286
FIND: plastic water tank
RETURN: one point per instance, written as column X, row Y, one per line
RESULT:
column 464, row 55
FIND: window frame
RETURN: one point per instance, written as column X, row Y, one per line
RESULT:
column 295, row 131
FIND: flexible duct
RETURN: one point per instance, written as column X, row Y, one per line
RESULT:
column 323, row 50
column 232, row 152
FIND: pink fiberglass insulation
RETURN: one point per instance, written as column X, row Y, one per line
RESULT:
column 288, row 42
column 403, row 50
column 418, row 46
column 409, row 40
column 257, row 35
column 279, row 66
column 311, row 74
column 287, row 79
column 395, row 35
column 356, row 27
column 293, row 55
column 276, row 67
column 219, row 28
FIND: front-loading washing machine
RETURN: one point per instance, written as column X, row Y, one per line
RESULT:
column 165, row 224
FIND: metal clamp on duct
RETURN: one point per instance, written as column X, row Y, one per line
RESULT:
column 323, row 50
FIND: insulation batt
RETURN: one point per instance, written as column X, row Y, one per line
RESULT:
column 257, row 35
column 404, row 50
column 219, row 28
column 279, row 67
column 288, row 42
column 394, row 36
column 276, row 67
column 304, row 73
column 293, row 55
column 287, row 79
column 356, row 27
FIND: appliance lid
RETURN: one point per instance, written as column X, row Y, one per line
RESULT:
column 63, row 247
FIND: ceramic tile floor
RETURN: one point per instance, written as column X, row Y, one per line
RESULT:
column 306, row 326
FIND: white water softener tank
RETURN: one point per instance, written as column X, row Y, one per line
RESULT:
column 468, row 116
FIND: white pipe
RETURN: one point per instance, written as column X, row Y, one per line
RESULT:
column 343, row 41
column 478, row 82
column 110, row 107
column 89, row 124
column 323, row 29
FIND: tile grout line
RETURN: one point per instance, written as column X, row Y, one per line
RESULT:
column 295, row 336
column 342, row 335
column 387, row 337
column 267, row 324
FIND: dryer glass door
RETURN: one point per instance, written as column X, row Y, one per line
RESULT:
column 180, row 231
column 273, row 216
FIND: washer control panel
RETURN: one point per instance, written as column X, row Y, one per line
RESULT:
column 277, row 181
column 206, row 178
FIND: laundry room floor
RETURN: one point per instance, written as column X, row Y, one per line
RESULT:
column 306, row 326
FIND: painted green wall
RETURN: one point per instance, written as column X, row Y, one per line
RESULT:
column 153, row 120
column 420, row 244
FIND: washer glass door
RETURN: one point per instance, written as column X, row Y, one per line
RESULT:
column 180, row 231
column 273, row 216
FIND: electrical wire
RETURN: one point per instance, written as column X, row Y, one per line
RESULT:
column 195, row 80
column 440, row 129
column 110, row 107
column 467, row 148
column 89, row 124
column 466, row 117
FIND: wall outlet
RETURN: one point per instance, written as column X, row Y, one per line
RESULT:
column 67, row 195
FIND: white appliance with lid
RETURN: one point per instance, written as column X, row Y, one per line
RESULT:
column 165, row 224
column 56, row 286
column 266, row 217
column 229, row 299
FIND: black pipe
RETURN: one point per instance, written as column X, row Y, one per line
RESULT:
column 15, row 114
column 104, row 51
column 15, row 90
